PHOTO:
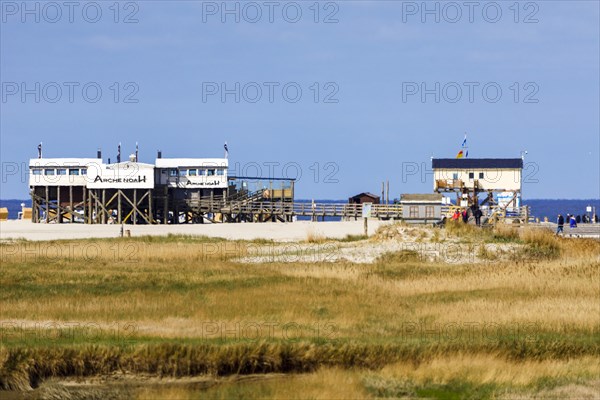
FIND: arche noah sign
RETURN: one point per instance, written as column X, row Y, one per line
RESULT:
column 138, row 179
column 121, row 177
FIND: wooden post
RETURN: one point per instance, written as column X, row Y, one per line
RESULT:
column 96, row 210
column 34, row 207
column 104, row 209
column 119, row 194
column 387, row 193
column 150, row 218
column 166, row 205
column 71, row 204
column 47, row 207
column 176, row 210
column 58, row 209
column 366, row 226
column 212, row 196
column 281, row 200
column 135, row 207
column 92, row 213
column 85, row 208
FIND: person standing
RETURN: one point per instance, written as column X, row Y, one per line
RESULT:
column 560, row 221
column 477, row 214
column 456, row 215
column 572, row 222
column 465, row 216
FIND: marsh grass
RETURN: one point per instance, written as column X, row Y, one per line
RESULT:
column 25, row 368
column 502, row 233
column 462, row 230
column 485, row 253
column 352, row 238
column 402, row 256
column 314, row 237
column 540, row 244
column 400, row 310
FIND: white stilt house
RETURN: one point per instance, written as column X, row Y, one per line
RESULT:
column 173, row 190
column 58, row 188
column 192, row 173
column 500, row 178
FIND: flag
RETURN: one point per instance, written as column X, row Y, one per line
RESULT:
column 40, row 150
column 226, row 150
column 464, row 152
column 136, row 151
column 119, row 153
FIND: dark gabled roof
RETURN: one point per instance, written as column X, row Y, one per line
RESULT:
column 471, row 163
column 371, row 195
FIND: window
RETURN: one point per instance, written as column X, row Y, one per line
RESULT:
column 193, row 172
column 471, row 175
column 182, row 171
column 201, row 172
column 220, row 172
column 413, row 211
column 429, row 212
column 211, row 172
column 455, row 175
column 172, row 172
column 73, row 171
column 481, row 175
column 49, row 171
column 83, row 171
column 61, row 171
column 36, row 171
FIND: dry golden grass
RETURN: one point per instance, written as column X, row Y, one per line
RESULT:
column 327, row 384
column 315, row 237
column 489, row 369
column 168, row 289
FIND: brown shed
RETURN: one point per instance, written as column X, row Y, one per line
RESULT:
column 364, row 197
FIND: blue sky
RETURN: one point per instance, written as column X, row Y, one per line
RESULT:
column 368, row 61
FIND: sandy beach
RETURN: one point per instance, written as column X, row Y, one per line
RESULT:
column 281, row 232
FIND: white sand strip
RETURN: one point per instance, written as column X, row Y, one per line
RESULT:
column 284, row 232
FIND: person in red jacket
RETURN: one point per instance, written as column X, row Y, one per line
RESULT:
column 456, row 215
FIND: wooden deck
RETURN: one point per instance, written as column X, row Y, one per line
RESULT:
column 288, row 209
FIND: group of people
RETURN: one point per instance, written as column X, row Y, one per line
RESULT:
column 463, row 214
column 573, row 220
